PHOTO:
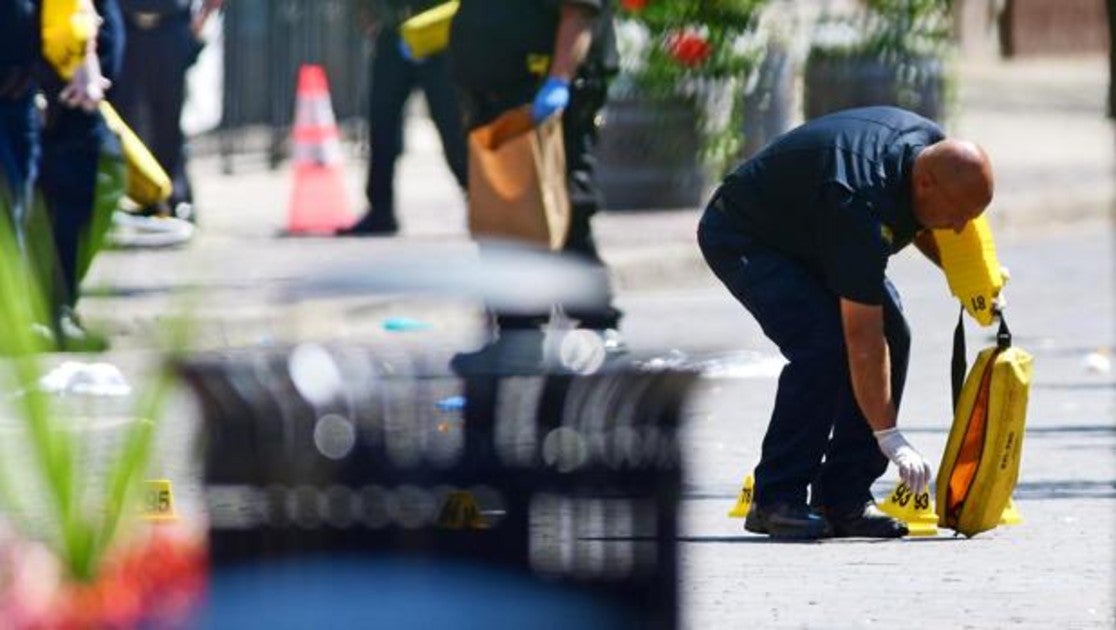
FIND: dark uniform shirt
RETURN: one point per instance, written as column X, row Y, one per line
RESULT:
column 835, row 194
column 495, row 44
column 19, row 30
column 161, row 7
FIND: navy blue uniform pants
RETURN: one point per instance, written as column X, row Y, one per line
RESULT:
column 152, row 89
column 19, row 146
column 817, row 436
column 393, row 79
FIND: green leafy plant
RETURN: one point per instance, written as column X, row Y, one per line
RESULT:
column 887, row 29
column 701, row 50
column 81, row 528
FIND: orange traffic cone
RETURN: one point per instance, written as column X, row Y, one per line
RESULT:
column 318, row 203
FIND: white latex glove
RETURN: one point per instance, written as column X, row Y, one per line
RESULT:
column 999, row 303
column 87, row 87
column 913, row 469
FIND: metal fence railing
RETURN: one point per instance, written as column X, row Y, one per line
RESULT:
column 265, row 42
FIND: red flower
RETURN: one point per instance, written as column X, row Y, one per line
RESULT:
column 688, row 48
column 634, row 6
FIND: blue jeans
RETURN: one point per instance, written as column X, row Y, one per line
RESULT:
column 816, row 415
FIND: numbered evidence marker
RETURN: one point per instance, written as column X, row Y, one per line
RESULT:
column 158, row 501
column 916, row 510
column 744, row 501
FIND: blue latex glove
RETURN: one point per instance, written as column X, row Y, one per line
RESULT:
column 406, row 53
column 552, row 98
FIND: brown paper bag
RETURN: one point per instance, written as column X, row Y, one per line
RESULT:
column 517, row 180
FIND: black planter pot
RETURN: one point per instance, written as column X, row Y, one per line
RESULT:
column 648, row 155
column 769, row 104
column 833, row 83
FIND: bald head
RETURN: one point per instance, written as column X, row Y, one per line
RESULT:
column 952, row 184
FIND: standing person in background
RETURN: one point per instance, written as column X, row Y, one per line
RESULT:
column 19, row 132
column 82, row 168
column 163, row 41
column 557, row 56
column 395, row 73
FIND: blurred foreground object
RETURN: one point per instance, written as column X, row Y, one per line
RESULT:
column 340, row 489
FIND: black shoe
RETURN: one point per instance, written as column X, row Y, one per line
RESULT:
column 863, row 521
column 371, row 224
column 783, row 520
column 514, row 352
column 73, row 337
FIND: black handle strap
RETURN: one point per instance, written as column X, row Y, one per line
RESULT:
column 958, row 364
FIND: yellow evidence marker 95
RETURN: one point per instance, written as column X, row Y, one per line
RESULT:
column 158, row 501
column 971, row 267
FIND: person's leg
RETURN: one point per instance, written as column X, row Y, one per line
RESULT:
column 853, row 460
column 433, row 74
column 19, row 149
column 392, row 81
column 803, row 319
column 579, row 128
column 82, row 179
column 167, row 50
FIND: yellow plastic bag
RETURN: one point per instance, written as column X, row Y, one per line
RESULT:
column 981, row 462
column 427, row 33
column 66, row 30
column 971, row 267
column 148, row 184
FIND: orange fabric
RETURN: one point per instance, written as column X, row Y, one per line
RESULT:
column 964, row 470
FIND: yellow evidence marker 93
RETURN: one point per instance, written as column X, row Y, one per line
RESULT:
column 971, row 267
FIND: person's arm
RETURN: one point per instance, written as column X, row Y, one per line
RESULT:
column 926, row 244
column 208, row 7
column 870, row 375
column 869, row 363
column 86, row 88
column 571, row 43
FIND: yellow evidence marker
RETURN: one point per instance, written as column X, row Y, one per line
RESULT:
column 916, row 510
column 460, row 511
column 744, row 501
column 158, row 501
column 1011, row 515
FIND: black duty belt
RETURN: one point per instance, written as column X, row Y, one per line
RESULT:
column 148, row 20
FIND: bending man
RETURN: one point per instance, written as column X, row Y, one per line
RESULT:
column 801, row 235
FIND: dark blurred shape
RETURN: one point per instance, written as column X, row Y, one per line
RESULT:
column 510, row 278
column 647, row 154
column 1053, row 27
column 265, row 42
column 337, row 486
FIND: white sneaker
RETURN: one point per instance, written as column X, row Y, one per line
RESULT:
column 135, row 231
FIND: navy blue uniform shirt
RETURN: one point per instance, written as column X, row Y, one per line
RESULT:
column 19, row 33
column 493, row 41
column 835, row 194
